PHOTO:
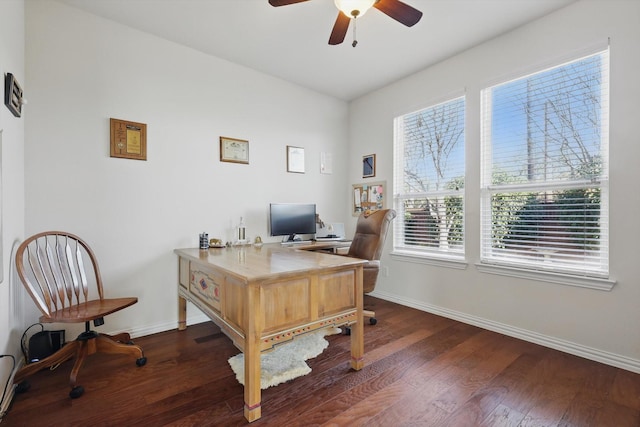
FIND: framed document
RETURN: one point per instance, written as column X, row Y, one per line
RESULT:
column 326, row 163
column 234, row 150
column 295, row 159
column 128, row 139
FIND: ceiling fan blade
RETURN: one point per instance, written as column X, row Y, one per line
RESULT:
column 277, row 3
column 399, row 11
column 339, row 29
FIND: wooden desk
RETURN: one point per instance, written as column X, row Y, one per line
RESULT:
column 265, row 296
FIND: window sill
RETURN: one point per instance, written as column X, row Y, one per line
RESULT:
column 422, row 258
column 600, row 284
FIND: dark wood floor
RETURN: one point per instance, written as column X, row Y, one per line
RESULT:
column 421, row 370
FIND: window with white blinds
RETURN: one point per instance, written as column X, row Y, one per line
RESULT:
column 545, row 170
column 429, row 180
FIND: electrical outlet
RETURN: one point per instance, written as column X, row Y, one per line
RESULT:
column 385, row 271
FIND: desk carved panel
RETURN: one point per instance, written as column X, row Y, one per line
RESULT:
column 206, row 285
column 336, row 293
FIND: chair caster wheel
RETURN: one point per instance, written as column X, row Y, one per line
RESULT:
column 76, row 392
column 142, row 361
column 130, row 342
column 23, row 386
column 373, row 321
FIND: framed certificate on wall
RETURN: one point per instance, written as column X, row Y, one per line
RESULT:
column 128, row 139
column 234, row 150
column 295, row 159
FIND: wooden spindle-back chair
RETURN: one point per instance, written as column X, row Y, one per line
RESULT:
column 61, row 274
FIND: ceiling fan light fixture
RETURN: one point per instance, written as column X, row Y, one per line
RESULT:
column 354, row 8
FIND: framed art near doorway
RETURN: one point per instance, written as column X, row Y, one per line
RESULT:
column 369, row 166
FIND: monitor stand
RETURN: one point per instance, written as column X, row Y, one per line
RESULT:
column 291, row 239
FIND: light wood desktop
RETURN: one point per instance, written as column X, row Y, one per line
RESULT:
column 264, row 296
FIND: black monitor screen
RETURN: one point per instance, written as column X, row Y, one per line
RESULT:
column 289, row 219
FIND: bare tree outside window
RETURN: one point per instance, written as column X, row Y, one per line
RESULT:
column 432, row 183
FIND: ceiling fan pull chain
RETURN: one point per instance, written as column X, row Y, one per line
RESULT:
column 355, row 42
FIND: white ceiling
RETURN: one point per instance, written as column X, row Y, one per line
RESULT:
column 290, row 42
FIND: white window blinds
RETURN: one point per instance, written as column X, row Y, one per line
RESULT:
column 429, row 180
column 545, row 169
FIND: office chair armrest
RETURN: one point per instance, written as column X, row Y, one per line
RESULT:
column 369, row 264
column 372, row 264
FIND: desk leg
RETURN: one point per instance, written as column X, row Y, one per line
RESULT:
column 182, row 313
column 357, row 329
column 252, row 392
column 252, row 408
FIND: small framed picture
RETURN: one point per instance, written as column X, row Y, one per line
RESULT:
column 295, row 159
column 13, row 95
column 368, row 165
column 234, row 150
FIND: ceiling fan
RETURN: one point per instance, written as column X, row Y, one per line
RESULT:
column 352, row 9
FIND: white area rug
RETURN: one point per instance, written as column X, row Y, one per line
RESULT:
column 286, row 361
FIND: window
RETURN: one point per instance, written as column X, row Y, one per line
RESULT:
column 545, row 170
column 429, row 180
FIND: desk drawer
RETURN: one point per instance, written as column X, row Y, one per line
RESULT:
column 206, row 285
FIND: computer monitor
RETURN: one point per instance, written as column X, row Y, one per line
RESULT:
column 290, row 219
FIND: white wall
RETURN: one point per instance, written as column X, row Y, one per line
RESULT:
column 597, row 324
column 82, row 70
column 12, row 181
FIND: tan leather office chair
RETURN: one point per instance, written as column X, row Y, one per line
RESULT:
column 60, row 272
column 368, row 242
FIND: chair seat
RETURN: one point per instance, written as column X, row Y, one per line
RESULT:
column 89, row 310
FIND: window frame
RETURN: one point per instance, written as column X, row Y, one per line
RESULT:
column 489, row 263
column 414, row 253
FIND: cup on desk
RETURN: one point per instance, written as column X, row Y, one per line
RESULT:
column 204, row 241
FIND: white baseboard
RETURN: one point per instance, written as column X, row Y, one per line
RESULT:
column 590, row 353
column 612, row 359
column 167, row 326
